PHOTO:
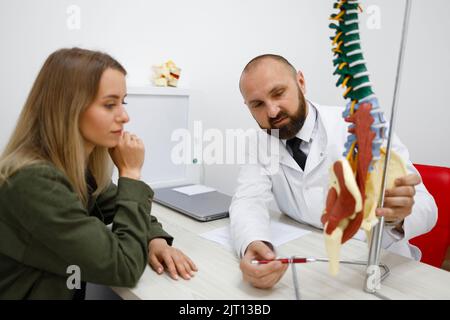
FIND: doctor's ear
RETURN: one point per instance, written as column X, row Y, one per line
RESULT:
column 301, row 82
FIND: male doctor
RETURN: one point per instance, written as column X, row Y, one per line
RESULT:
column 311, row 138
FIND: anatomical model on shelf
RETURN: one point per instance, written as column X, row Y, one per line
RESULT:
column 166, row 74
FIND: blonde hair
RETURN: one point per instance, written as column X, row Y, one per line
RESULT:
column 48, row 127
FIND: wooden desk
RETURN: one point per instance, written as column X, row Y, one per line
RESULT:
column 219, row 276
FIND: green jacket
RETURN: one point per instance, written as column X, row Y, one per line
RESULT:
column 44, row 229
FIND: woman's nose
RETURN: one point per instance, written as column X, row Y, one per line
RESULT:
column 123, row 116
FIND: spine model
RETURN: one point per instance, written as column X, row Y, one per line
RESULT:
column 355, row 180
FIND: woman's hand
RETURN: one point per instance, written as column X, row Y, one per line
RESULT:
column 161, row 256
column 128, row 156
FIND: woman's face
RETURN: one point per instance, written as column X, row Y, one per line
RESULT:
column 101, row 124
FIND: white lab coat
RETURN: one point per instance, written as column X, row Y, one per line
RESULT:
column 301, row 195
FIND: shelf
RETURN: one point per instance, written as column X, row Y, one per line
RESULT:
column 158, row 91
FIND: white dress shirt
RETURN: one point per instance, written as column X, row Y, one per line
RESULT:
column 308, row 131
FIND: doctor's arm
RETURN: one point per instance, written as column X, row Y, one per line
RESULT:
column 250, row 223
column 409, row 203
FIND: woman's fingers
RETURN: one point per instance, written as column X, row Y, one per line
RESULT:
column 191, row 263
column 155, row 264
column 175, row 261
column 170, row 265
column 180, row 264
column 188, row 268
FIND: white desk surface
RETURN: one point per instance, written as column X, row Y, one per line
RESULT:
column 219, row 276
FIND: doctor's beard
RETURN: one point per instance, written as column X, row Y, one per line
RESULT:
column 296, row 120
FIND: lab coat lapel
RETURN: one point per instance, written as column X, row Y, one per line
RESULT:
column 317, row 152
column 286, row 158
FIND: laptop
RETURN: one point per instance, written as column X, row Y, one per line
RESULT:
column 196, row 201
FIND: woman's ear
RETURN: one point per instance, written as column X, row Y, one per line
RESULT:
column 301, row 82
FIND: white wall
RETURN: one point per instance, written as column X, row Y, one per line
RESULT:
column 212, row 40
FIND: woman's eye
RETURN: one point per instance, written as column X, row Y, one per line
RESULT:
column 112, row 105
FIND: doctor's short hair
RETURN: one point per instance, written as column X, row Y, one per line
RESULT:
column 257, row 60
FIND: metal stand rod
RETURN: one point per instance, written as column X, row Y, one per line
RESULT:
column 295, row 278
column 352, row 262
column 372, row 278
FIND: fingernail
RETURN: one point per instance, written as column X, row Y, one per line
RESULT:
column 176, row 277
column 159, row 270
column 188, row 277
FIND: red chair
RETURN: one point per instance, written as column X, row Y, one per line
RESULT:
column 434, row 244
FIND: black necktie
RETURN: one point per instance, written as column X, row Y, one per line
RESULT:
column 299, row 155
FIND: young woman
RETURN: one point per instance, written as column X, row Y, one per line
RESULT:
column 56, row 194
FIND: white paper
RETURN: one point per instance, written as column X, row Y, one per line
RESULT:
column 194, row 189
column 221, row 236
column 280, row 234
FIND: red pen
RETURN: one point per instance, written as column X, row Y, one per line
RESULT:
column 285, row 260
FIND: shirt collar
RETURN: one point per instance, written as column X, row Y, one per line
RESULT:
column 308, row 127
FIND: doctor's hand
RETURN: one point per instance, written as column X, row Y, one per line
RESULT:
column 399, row 201
column 262, row 276
column 162, row 256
